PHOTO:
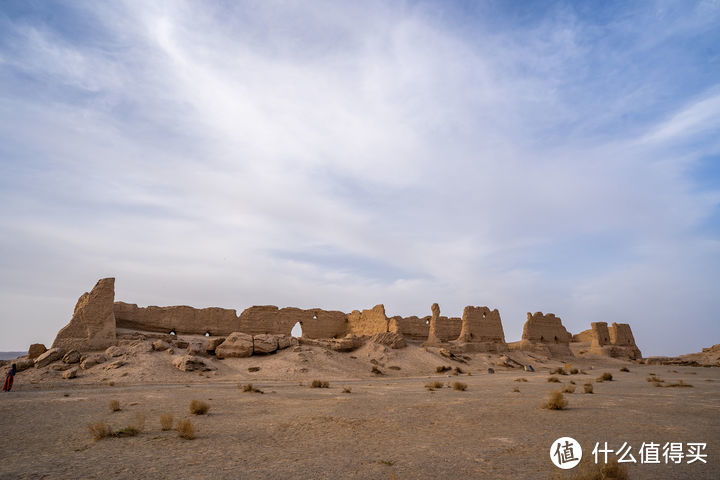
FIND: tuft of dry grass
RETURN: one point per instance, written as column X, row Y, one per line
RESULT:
column 588, row 388
column 655, row 379
column 592, row 471
column 556, row 401
column 347, row 390
column 253, row 369
column 521, row 379
column 198, row 407
column 569, row 389
column 459, row 386
column 624, row 369
column 605, row 377
column 250, row 388
column 394, row 367
column 457, row 371
column 320, row 384
column 185, row 429
column 574, row 371
column 583, row 372
column 553, row 380
column 558, row 371
column 434, row 385
column 680, row 384
column 112, row 384
column 442, row 369
column 516, row 389
column 99, row 430
column 114, row 405
column 166, row 421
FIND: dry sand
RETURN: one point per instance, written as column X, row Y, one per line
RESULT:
column 389, row 427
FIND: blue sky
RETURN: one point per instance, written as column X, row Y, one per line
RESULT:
column 529, row 156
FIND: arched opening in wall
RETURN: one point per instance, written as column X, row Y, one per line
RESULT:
column 172, row 332
column 542, row 339
column 207, row 334
column 427, row 322
column 296, row 330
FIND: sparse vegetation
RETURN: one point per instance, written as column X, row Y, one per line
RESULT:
column 166, row 421
column 680, row 384
column 250, row 388
column 394, row 367
column 320, row 384
column 112, row 384
column 376, row 370
column 434, row 385
column 442, row 369
column 624, row 369
column 388, row 462
column 583, row 372
column 605, row 377
column 521, row 379
column 114, row 405
column 588, row 388
column 457, row 371
column 516, row 389
column 556, row 401
column 253, row 369
column 559, row 371
column 553, row 380
column 185, row 429
column 574, row 371
column 656, row 380
column 99, row 430
column 347, row 390
column 198, row 407
column 459, row 386
column 569, row 389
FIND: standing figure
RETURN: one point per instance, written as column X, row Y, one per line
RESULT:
column 9, row 378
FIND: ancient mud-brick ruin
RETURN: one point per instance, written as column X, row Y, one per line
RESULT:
column 98, row 320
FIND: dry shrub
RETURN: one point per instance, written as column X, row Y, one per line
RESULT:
column 521, row 379
column 608, row 471
column 250, row 388
column 553, row 380
column 574, row 371
column 185, row 429
column 583, row 372
column 556, row 401
column 680, row 384
column 198, row 407
column 253, row 369
column 457, row 371
column 376, row 370
column 559, row 371
column 569, row 389
column 320, row 384
column 459, row 386
column 516, row 389
column 434, row 385
column 166, row 421
column 114, row 405
column 99, row 430
column 347, row 390
column 442, row 369
column 624, row 369
column 605, row 377
column 112, row 384
column 588, row 388
column 655, row 379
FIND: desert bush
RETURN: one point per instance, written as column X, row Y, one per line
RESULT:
column 605, row 377
column 376, row 370
column 574, row 371
column 114, row 405
column 559, row 371
column 654, row 379
column 99, row 430
column 250, row 388
column 198, row 407
column 442, row 369
column 253, row 369
column 553, row 380
column 521, row 379
column 457, row 371
column 459, row 386
column 434, row 385
column 320, row 384
column 588, row 388
column 569, row 389
column 347, row 390
column 185, row 429
column 556, row 401
column 516, row 389
column 166, row 421
column 112, row 384
column 624, row 369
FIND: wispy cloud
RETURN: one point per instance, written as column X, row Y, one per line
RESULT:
column 342, row 155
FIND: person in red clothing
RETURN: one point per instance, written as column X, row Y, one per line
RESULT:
column 9, row 378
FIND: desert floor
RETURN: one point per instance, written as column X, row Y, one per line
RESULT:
column 388, row 427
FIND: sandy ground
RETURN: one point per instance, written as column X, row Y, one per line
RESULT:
column 389, row 426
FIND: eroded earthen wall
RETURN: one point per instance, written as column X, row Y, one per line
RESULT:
column 621, row 335
column 315, row 322
column 92, row 326
column 413, row 328
column 547, row 328
column 368, row 322
column 480, row 324
column 182, row 319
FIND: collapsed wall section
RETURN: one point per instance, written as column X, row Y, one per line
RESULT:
column 367, row 322
column 92, row 326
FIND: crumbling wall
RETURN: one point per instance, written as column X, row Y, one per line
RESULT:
column 621, row 335
column 433, row 333
column 315, row 322
column 367, row 322
column 597, row 335
column 480, row 324
column 182, row 319
column 547, row 328
column 413, row 328
column 92, row 326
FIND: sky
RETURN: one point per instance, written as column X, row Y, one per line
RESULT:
column 560, row 157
